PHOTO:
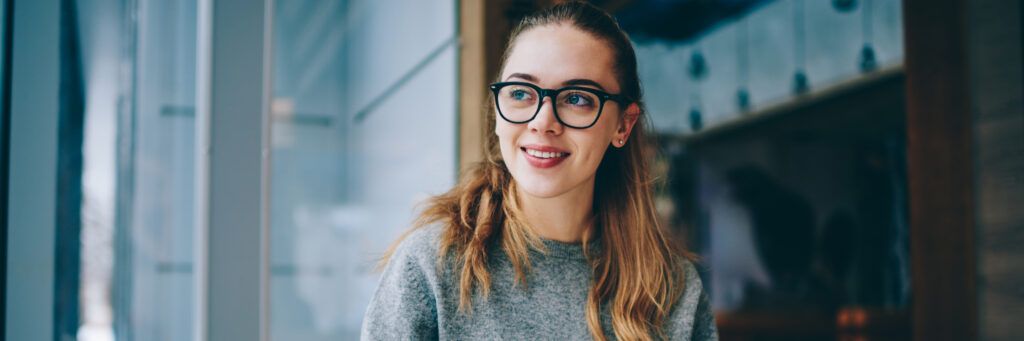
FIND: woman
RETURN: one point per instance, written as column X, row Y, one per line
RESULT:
column 554, row 236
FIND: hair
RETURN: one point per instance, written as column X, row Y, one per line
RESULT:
column 638, row 274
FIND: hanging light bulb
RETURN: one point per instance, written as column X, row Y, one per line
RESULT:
column 742, row 64
column 698, row 67
column 696, row 122
column 844, row 5
column 800, row 83
column 867, row 52
column 697, row 70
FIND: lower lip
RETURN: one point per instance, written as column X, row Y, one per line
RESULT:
column 543, row 163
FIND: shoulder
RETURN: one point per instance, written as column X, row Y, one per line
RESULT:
column 419, row 246
column 692, row 316
column 404, row 306
column 422, row 239
column 693, row 288
column 412, row 267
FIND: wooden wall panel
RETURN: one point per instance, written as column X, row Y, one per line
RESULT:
column 995, row 64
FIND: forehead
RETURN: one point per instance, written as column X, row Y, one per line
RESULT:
column 556, row 53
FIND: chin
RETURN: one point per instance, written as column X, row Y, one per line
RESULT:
column 539, row 186
column 539, row 191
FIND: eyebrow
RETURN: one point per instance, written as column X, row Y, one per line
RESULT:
column 581, row 81
column 575, row 81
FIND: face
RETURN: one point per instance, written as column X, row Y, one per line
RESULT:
column 546, row 158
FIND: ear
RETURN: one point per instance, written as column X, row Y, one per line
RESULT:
column 629, row 118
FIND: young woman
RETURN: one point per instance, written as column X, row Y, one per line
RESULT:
column 555, row 235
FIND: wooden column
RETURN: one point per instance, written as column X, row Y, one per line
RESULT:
column 940, row 167
column 479, row 49
column 484, row 27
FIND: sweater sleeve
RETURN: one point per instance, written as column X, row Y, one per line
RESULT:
column 704, row 327
column 692, row 318
column 404, row 306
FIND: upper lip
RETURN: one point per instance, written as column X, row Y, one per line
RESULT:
column 543, row 148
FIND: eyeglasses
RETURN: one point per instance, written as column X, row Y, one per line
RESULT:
column 574, row 106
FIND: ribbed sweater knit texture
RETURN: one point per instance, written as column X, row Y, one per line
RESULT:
column 419, row 300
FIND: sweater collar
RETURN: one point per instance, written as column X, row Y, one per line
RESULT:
column 564, row 250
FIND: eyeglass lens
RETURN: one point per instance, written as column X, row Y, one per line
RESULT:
column 519, row 103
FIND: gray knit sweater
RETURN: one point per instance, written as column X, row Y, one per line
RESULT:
column 417, row 300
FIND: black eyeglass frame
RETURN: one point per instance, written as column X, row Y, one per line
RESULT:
column 553, row 93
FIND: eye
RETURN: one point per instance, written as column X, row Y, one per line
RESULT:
column 519, row 94
column 579, row 99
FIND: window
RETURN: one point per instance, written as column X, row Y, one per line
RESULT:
column 364, row 127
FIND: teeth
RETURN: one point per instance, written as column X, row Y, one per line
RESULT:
column 544, row 155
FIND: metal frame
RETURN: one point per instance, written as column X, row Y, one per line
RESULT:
column 232, row 170
column 5, row 141
column 35, row 72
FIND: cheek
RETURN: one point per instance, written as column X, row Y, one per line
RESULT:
column 591, row 147
column 506, row 138
column 604, row 132
column 598, row 141
column 597, row 149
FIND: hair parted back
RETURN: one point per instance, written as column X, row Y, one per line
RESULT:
column 638, row 274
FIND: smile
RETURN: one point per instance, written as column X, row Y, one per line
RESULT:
column 543, row 156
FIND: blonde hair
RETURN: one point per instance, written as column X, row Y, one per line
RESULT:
column 638, row 275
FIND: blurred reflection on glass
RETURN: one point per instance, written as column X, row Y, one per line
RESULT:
column 364, row 127
column 138, row 59
column 759, row 52
column 783, row 131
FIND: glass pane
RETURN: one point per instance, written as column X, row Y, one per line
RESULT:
column 161, row 223
column 800, row 217
column 364, row 127
column 139, row 74
column 759, row 53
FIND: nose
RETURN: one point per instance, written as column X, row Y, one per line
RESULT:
column 545, row 121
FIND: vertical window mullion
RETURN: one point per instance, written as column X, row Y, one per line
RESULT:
column 232, row 169
column 35, row 72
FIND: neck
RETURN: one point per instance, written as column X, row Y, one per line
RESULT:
column 565, row 218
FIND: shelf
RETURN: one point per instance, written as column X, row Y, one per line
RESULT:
column 848, row 323
column 874, row 96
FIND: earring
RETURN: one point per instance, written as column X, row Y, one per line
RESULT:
column 621, row 142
